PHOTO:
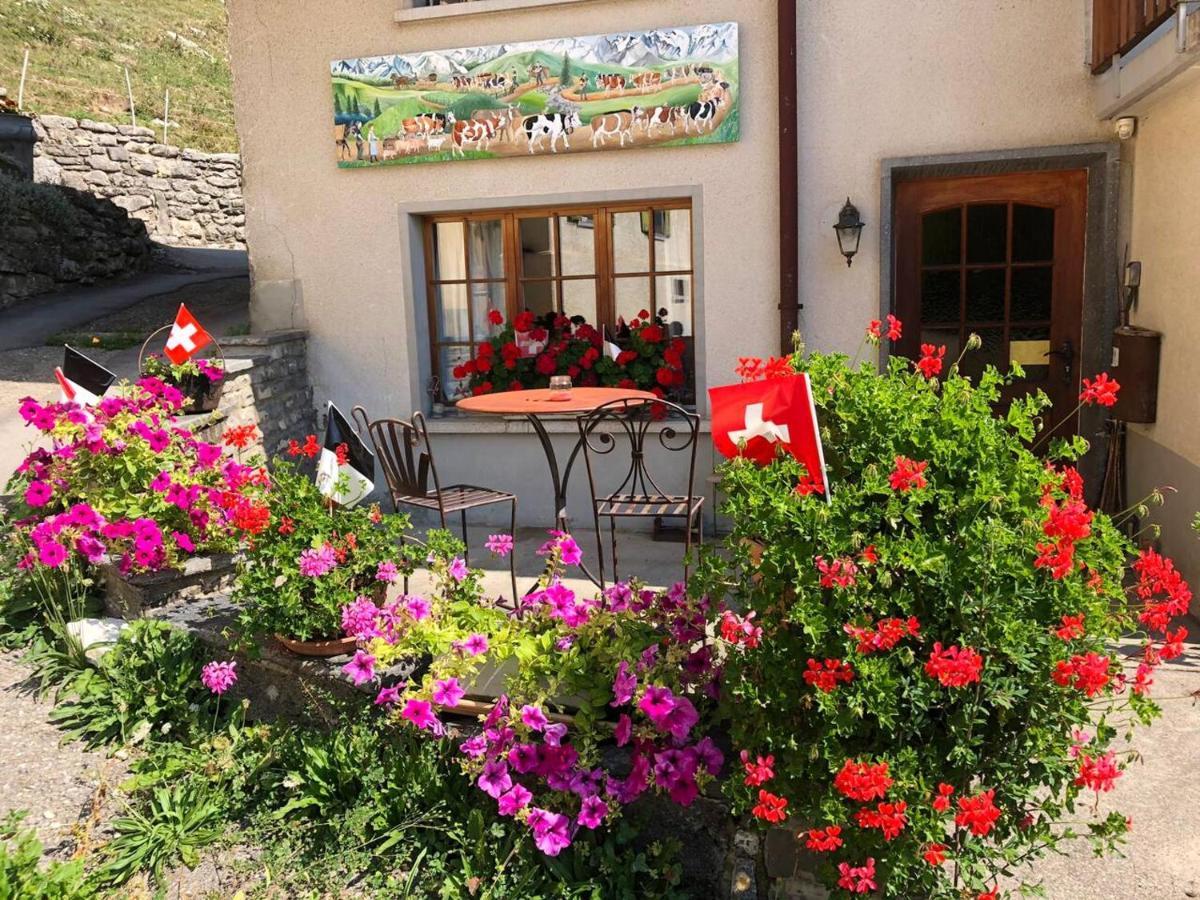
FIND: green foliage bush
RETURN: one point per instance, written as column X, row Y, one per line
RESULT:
column 22, row 877
column 841, row 675
column 24, row 201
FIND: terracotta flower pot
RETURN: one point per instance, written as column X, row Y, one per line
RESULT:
column 336, row 647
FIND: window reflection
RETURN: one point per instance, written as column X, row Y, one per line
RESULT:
column 672, row 239
column 630, row 243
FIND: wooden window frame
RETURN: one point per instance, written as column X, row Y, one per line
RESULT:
column 604, row 275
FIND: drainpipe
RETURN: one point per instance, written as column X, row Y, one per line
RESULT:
column 789, row 169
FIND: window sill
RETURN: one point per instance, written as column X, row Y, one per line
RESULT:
column 472, row 8
column 454, row 423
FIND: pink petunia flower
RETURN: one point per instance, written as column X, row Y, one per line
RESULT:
column 499, row 544
column 533, row 717
column 447, row 692
column 361, row 668
column 219, row 677
column 458, row 569
column 514, row 800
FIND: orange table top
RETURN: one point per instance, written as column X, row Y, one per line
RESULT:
column 546, row 402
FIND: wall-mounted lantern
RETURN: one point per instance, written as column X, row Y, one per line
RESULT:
column 849, row 231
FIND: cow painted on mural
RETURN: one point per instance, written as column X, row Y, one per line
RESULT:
column 550, row 127
column 502, row 120
column 471, row 132
column 618, row 123
column 645, row 82
column 426, row 124
column 611, row 82
column 657, row 118
column 701, row 116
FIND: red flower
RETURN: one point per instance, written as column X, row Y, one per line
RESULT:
column 240, row 436
column 954, row 667
column 651, row 334
column 1158, row 575
column 809, row 484
column 1102, row 391
column 293, row 448
column 459, row 372
column 286, row 525
column 930, row 363
column 977, row 813
column 1088, row 673
column 857, row 879
column 523, row 322
column 908, row 475
column 935, row 854
column 941, row 802
column 770, row 807
column 250, row 518
column 825, row 678
column 311, row 448
column 1173, row 647
column 495, row 317
column 546, row 364
column 1099, row 774
column 839, row 573
column 894, row 328
column 824, row 840
column 863, row 781
column 483, row 364
column 664, row 376
column 760, row 770
column 886, row 634
column 874, row 330
column 748, row 368
column 1059, row 558
column 1072, row 627
column 673, row 358
column 516, row 386
column 342, row 451
column 738, row 630
column 993, row 894
column 486, row 350
column 625, row 357
column 510, row 351
column 868, row 556
column 887, row 817
column 484, row 388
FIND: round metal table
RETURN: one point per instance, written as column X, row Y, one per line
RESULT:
column 547, row 402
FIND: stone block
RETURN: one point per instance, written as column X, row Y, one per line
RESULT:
column 106, row 140
column 147, row 165
column 223, row 181
column 133, row 202
column 118, row 154
column 98, row 179
column 103, row 164
column 158, row 184
column 164, row 150
column 64, row 122
column 98, row 127
column 46, row 170
column 74, row 180
column 135, row 131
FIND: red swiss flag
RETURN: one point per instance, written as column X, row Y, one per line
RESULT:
column 755, row 419
column 186, row 337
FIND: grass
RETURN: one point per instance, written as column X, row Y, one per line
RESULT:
column 78, row 51
column 676, row 95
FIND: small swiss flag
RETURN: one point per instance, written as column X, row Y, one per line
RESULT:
column 755, row 419
column 186, row 338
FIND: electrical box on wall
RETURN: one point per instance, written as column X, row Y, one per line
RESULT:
column 1136, row 354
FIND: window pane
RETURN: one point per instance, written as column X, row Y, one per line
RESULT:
column 1033, row 233
column 486, row 296
column 985, row 295
column 990, row 354
column 987, row 232
column 632, row 297
column 630, row 243
column 672, row 239
column 448, row 358
column 538, row 297
column 451, row 304
column 449, row 252
column 487, row 248
column 674, row 296
column 577, row 244
column 1032, row 289
column 939, row 297
column 537, row 247
column 579, row 298
column 1028, row 346
column 941, row 237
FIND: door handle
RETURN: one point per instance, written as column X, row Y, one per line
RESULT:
column 1066, row 350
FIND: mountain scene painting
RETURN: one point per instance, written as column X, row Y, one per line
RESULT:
column 666, row 87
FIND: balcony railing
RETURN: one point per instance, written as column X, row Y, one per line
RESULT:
column 1118, row 25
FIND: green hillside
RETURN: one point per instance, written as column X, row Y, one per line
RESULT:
column 78, row 51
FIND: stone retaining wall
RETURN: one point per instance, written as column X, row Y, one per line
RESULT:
column 185, row 197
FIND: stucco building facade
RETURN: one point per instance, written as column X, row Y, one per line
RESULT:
column 886, row 95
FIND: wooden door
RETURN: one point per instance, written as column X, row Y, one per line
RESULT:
column 1001, row 256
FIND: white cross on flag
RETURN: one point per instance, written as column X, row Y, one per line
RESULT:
column 186, row 337
column 759, row 418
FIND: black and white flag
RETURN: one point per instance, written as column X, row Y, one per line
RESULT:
column 81, row 380
column 346, row 469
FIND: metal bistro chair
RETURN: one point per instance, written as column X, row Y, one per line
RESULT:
column 404, row 452
column 638, row 494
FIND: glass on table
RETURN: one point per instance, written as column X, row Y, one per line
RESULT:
column 561, row 386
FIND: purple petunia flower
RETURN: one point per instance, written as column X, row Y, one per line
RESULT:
column 52, row 554
column 447, row 692
column 624, row 730
column 361, row 668
column 358, row 619
column 458, row 569
column 418, row 608
column 624, row 685
column 474, row 747
column 183, row 542
column 38, row 493
column 499, row 544
column 219, row 677
column 420, row 713
column 533, row 717
column 388, row 696
column 656, row 702
column 514, row 800
column 494, row 780
column 550, row 833
column 473, row 645
column 553, row 734
column 592, row 812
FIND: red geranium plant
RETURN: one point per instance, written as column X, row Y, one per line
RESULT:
column 529, row 350
column 933, row 691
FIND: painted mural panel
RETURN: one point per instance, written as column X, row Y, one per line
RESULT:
column 666, row 87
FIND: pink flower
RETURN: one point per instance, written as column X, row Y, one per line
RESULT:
column 623, row 730
column 418, row 608
column 207, row 454
column 553, row 734
column 52, row 554
column 387, row 572
column 388, row 696
column 572, row 555
column 592, row 812
column 315, row 563
column 361, row 668
column 514, row 800
column 624, row 684
column 473, row 645
column 358, row 619
column 533, row 717
column 447, row 692
column 550, row 834
column 494, row 780
column 219, row 677
column 38, row 493
column 183, row 542
column 458, row 569
column 499, row 544
column 656, row 702
column 420, row 713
